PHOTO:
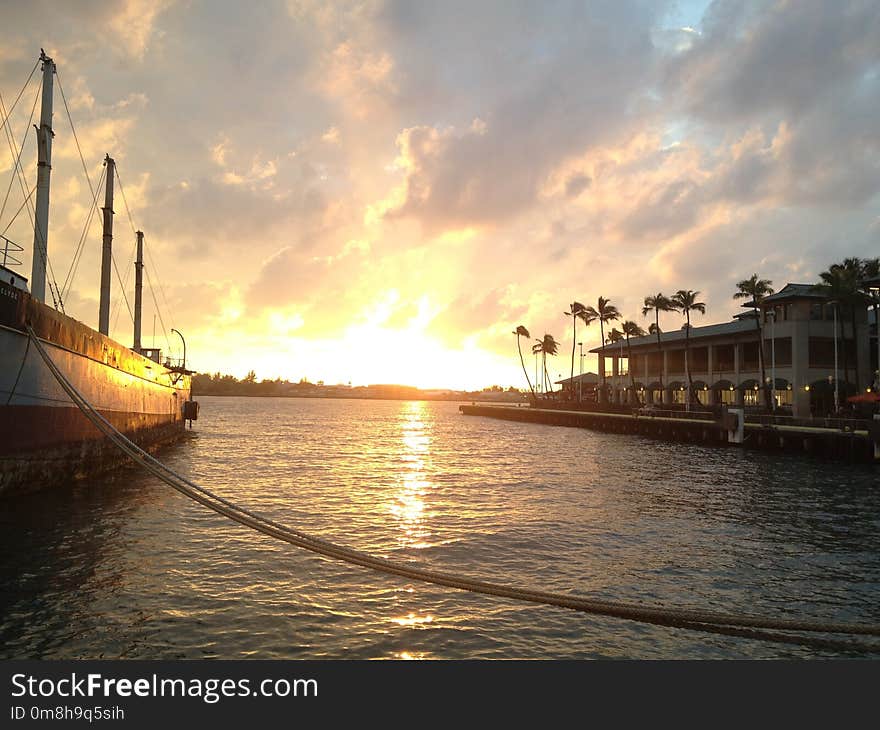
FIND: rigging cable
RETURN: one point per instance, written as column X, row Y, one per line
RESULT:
column 18, row 173
column 80, row 246
column 20, row 208
column 10, row 140
column 116, row 309
column 91, row 189
column 146, row 268
column 705, row 620
column 8, row 115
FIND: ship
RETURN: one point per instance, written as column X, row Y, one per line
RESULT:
column 44, row 438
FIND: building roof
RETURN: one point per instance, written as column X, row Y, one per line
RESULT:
column 586, row 379
column 791, row 291
column 713, row 330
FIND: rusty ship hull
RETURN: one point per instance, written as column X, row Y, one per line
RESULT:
column 44, row 438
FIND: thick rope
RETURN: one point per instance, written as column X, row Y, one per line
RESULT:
column 681, row 617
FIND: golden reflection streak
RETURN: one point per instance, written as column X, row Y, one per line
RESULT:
column 409, row 503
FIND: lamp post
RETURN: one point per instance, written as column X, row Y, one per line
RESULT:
column 772, row 314
column 184, row 346
column 581, row 372
column 876, row 290
column 539, row 387
column 836, row 391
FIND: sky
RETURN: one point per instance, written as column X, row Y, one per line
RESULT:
column 380, row 192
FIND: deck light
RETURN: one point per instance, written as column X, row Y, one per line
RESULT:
column 807, row 388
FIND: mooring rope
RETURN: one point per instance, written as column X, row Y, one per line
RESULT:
column 678, row 617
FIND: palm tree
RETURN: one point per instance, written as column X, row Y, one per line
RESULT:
column 685, row 301
column 631, row 329
column 604, row 312
column 755, row 289
column 575, row 310
column 546, row 346
column 657, row 303
column 842, row 284
column 871, row 270
column 523, row 332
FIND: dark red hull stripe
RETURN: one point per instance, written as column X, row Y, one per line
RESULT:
column 25, row 430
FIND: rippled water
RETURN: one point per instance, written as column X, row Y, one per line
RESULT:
column 126, row 567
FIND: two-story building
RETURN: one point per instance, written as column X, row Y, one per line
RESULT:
column 803, row 351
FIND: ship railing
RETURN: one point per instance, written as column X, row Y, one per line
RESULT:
column 7, row 257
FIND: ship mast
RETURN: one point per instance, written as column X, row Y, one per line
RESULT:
column 44, row 171
column 138, row 290
column 107, row 254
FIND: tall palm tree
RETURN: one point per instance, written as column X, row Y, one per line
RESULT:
column 755, row 289
column 842, row 284
column 631, row 329
column 871, row 270
column 604, row 312
column 574, row 311
column 546, row 346
column 685, row 301
column 523, row 332
column 657, row 303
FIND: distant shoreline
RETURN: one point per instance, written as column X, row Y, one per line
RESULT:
column 450, row 398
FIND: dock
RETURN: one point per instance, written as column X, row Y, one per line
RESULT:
column 732, row 429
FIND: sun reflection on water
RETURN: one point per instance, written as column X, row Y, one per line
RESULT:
column 409, row 504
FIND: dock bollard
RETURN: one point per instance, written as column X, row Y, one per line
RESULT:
column 875, row 433
column 733, row 420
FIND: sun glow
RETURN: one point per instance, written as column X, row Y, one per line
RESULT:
column 412, row 357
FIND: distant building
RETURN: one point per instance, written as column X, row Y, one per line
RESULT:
column 580, row 387
column 799, row 338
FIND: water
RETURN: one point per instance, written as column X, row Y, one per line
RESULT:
column 126, row 567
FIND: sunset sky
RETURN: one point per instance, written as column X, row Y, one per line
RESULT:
column 381, row 192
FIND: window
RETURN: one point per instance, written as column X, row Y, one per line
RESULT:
column 703, row 396
column 783, row 397
column 822, row 352
column 816, row 311
column 728, row 396
column 675, row 361
column 678, row 396
column 749, row 356
column 622, row 366
column 751, row 397
column 783, row 351
column 657, row 396
column 724, row 358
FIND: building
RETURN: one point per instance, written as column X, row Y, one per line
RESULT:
column 581, row 387
column 801, row 347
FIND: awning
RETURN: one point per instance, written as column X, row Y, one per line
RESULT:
column 723, row 385
column 864, row 398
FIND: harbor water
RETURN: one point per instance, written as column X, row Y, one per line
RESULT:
column 125, row 567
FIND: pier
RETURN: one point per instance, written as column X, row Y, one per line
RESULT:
column 731, row 429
